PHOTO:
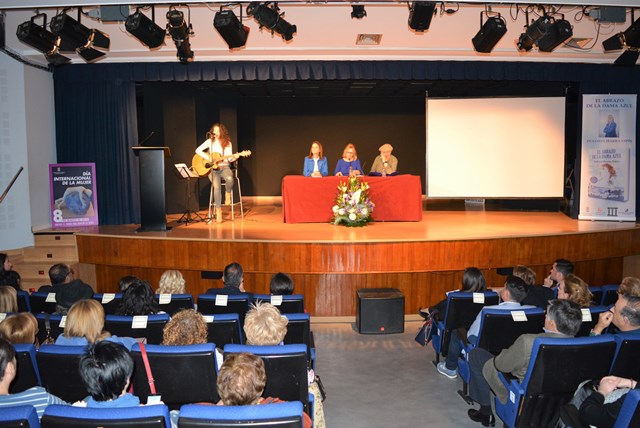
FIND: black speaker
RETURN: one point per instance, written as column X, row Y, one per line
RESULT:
column 379, row 311
column 420, row 15
column 232, row 31
column 490, row 33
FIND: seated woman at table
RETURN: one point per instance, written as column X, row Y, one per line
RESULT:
column 349, row 164
column 386, row 163
column 315, row 165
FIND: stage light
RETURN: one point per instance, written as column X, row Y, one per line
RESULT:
column 357, row 11
column 42, row 40
column 230, row 28
column 270, row 17
column 490, row 33
column 545, row 32
column 180, row 32
column 420, row 14
column 629, row 40
column 144, row 29
column 74, row 36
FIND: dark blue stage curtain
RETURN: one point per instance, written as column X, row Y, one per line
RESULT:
column 96, row 106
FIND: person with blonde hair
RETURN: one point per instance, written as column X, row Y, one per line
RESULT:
column 171, row 282
column 349, row 165
column 85, row 324
column 21, row 327
column 263, row 325
column 575, row 289
column 630, row 286
column 8, row 299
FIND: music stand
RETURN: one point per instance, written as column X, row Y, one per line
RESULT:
column 189, row 216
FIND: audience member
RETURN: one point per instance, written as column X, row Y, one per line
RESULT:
column 138, row 299
column 106, row 370
column 5, row 263
column 241, row 382
column 472, row 282
column 8, row 299
column 21, row 327
column 625, row 315
column 84, row 326
column 38, row 397
column 560, row 269
column 233, row 280
column 68, row 290
column 10, row 278
column 126, row 281
column 601, row 408
column 386, row 163
column 172, row 282
column 513, row 292
column 563, row 319
column 630, row 286
column 186, row 327
column 281, row 284
column 575, row 289
column 537, row 295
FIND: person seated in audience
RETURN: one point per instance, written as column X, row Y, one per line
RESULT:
column 10, row 278
column 560, row 269
column 37, row 396
column 85, row 324
column 125, row 282
column 624, row 315
column 8, row 299
column 171, row 282
column 537, row 295
column 138, row 299
column 630, row 286
column 602, row 407
column 563, row 319
column 281, row 284
column 5, row 263
column 21, row 327
column 233, row 280
column 68, row 290
column 241, row 382
column 106, row 370
column 513, row 292
column 386, row 163
column 575, row 289
column 315, row 165
column 349, row 165
column 472, row 282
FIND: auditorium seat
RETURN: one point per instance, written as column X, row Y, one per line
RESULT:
column 596, row 293
column 54, row 326
column 172, row 303
column 590, row 319
column 24, row 305
column 211, row 304
column 182, row 374
column 629, row 415
column 609, row 294
column 27, row 375
column 299, row 331
column 38, row 302
column 290, row 304
column 224, row 329
column 59, row 416
column 19, row 417
column 276, row 415
column 110, row 302
column 126, row 326
column 556, row 368
column 58, row 366
column 627, row 358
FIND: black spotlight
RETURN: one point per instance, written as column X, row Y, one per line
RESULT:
column 144, row 29
column 534, row 32
column 180, row 33
column 74, row 36
column 420, row 14
column 357, row 11
column 270, row 17
column 490, row 33
column 42, row 40
column 559, row 32
column 230, row 28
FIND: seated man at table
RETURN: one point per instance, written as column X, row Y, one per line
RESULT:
column 386, row 163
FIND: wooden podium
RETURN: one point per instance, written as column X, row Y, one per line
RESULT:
column 153, row 212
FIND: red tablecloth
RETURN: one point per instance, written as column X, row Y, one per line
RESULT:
column 309, row 199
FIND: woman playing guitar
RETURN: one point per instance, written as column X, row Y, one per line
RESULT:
column 218, row 145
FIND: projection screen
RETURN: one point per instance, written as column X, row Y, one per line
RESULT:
column 495, row 147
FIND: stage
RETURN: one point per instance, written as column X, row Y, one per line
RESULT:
column 328, row 263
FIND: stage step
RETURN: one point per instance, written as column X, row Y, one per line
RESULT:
column 55, row 239
column 53, row 254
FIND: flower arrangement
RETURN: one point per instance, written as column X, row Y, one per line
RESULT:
column 352, row 206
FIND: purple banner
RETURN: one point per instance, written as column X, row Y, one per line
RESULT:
column 74, row 201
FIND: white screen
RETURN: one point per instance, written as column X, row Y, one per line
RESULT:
column 495, row 147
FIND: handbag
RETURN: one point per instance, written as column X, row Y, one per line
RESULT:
column 147, row 367
column 425, row 334
column 48, row 340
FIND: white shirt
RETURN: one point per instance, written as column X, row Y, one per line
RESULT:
column 208, row 147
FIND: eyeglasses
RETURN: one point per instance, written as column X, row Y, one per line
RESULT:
column 349, row 153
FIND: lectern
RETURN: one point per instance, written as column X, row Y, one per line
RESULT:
column 152, row 196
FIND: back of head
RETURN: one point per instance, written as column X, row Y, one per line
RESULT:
column 171, row 282
column 20, row 328
column 126, row 281
column 567, row 316
column 58, row 273
column 631, row 311
column 3, row 258
column 630, row 286
column 473, row 280
column 186, row 327
column 138, row 299
column 8, row 299
column 516, row 287
column 85, row 319
column 7, row 354
column 241, row 379
column 564, row 266
column 10, row 278
column 232, row 275
column 577, row 290
column 105, row 370
column 527, row 274
column 281, row 284
column 263, row 325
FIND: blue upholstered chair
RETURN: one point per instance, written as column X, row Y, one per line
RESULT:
column 28, row 374
column 556, row 368
column 58, row 366
column 627, row 358
column 24, row 304
column 38, row 302
column 176, row 303
column 290, row 304
column 58, row 416
column 19, row 417
column 629, row 415
column 586, row 326
column 299, row 331
column 236, row 304
column 609, row 294
column 121, row 325
column 224, row 329
column 54, row 326
column 596, row 293
column 110, row 305
column 277, row 415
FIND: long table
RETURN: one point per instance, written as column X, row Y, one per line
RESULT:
column 309, row 199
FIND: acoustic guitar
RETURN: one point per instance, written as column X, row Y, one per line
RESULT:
column 203, row 167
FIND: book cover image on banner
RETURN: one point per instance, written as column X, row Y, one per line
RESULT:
column 74, row 201
column 608, row 167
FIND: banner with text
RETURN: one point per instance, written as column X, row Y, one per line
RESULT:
column 608, row 171
column 74, row 201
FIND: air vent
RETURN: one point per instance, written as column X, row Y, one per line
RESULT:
column 368, row 39
column 579, row 42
